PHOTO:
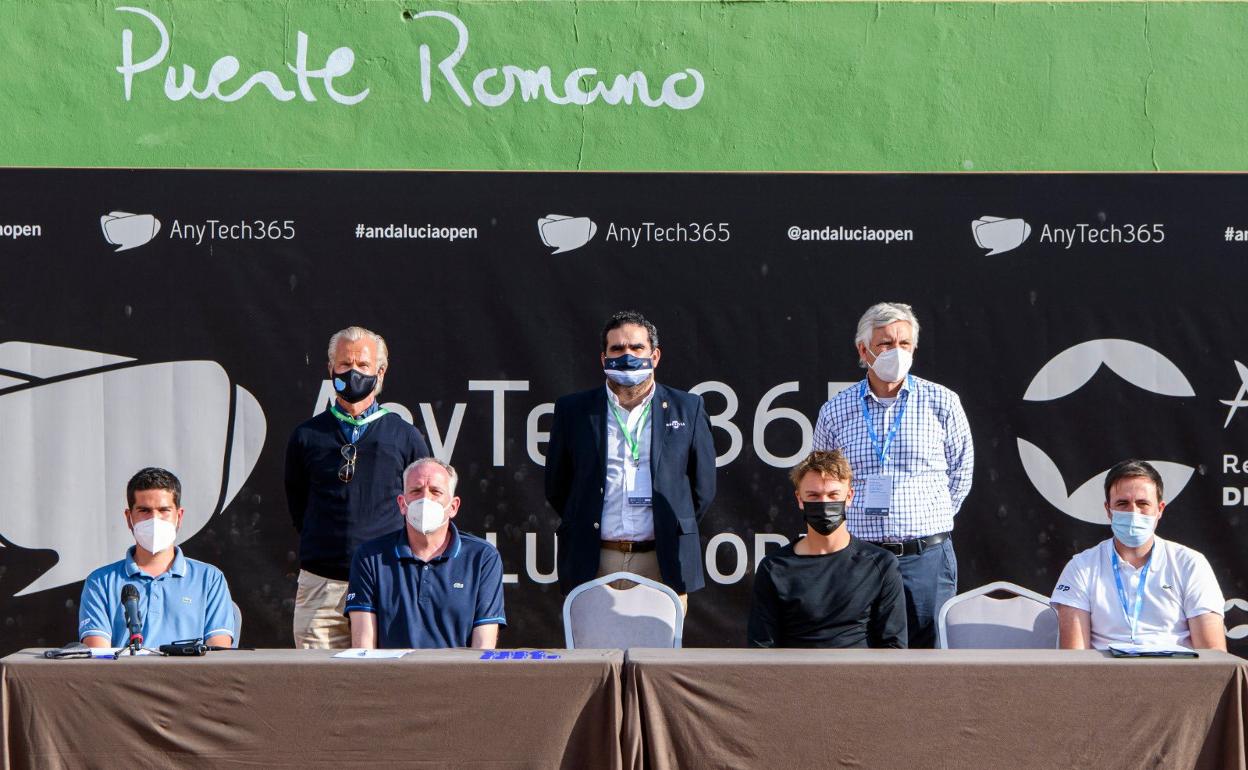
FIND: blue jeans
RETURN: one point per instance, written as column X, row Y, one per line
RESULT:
column 930, row 579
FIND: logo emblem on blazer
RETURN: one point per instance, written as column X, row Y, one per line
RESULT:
column 676, row 424
column 457, row 585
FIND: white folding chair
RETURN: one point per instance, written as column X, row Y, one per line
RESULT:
column 975, row 620
column 597, row 616
column 238, row 622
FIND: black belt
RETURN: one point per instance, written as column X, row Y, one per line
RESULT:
column 915, row 546
column 629, row 546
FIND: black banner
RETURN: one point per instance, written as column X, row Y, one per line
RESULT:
column 181, row 318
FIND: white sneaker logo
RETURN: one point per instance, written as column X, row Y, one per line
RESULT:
column 999, row 235
column 129, row 231
column 564, row 233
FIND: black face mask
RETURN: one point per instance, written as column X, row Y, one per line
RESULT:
column 354, row 386
column 824, row 518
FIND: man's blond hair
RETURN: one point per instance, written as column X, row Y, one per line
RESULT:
column 829, row 465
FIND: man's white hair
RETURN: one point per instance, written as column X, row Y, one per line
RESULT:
column 883, row 314
column 450, row 472
column 355, row 334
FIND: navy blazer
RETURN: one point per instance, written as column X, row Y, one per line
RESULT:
column 682, row 468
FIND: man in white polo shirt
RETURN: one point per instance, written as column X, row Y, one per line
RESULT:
column 1136, row 587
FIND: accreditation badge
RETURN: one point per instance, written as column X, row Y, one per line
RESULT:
column 638, row 488
column 878, row 492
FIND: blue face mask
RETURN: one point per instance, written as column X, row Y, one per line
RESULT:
column 628, row 369
column 1132, row 529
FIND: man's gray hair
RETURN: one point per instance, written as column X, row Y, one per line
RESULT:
column 450, row 472
column 355, row 334
column 883, row 314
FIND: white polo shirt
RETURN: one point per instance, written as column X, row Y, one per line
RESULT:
column 1180, row 585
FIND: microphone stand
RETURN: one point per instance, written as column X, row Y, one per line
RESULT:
column 134, row 645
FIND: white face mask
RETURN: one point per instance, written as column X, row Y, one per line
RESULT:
column 426, row 515
column 155, row 535
column 893, row 364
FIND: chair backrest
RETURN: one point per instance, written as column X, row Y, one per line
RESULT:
column 238, row 623
column 597, row 616
column 976, row 620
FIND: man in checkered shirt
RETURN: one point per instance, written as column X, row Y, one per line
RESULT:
column 909, row 445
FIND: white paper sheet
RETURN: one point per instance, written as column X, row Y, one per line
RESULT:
column 358, row 653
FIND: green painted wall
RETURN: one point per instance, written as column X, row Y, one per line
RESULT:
column 810, row 85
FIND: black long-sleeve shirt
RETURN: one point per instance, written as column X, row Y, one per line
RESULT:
column 850, row 598
column 334, row 517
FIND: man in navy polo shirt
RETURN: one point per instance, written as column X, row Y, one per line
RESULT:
column 426, row 585
column 179, row 598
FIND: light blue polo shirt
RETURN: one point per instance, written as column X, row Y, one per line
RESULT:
column 191, row 600
column 433, row 604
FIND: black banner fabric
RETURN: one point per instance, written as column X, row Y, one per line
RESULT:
column 181, row 318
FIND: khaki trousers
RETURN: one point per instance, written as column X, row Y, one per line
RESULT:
column 319, row 622
column 645, row 564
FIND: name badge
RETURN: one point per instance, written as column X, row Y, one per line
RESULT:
column 879, row 494
column 638, row 488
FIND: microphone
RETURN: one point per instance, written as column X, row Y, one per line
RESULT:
column 130, row 603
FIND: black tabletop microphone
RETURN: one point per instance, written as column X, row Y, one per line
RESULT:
column 130, row 603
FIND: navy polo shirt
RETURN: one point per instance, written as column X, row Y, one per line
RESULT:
column 431, row 604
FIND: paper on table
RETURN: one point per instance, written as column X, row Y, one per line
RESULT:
column 359, row 653
column 1152, row 651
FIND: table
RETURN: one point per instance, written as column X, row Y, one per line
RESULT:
column 932, row 709
column 303, row 708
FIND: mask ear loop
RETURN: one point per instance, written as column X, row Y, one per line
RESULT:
column 874, row 356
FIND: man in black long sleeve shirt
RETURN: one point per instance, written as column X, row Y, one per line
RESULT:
column 829, row 589
column 344, row 472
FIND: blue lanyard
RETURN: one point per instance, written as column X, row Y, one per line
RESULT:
column 881, row 450
column 1133, row 617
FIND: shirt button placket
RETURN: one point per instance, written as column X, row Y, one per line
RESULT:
column 155, row 599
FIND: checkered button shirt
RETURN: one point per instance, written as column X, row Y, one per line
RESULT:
column 931, row 458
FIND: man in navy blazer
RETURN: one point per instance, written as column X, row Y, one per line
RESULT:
column 630, row 468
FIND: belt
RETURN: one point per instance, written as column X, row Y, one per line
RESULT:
column 913, row 547
column 629, row 546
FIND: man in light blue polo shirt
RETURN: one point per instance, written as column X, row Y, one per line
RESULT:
column 426, row 585
column 179, row 598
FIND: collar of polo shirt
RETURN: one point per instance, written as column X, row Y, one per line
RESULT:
column 177, row 568
column 403, row 549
